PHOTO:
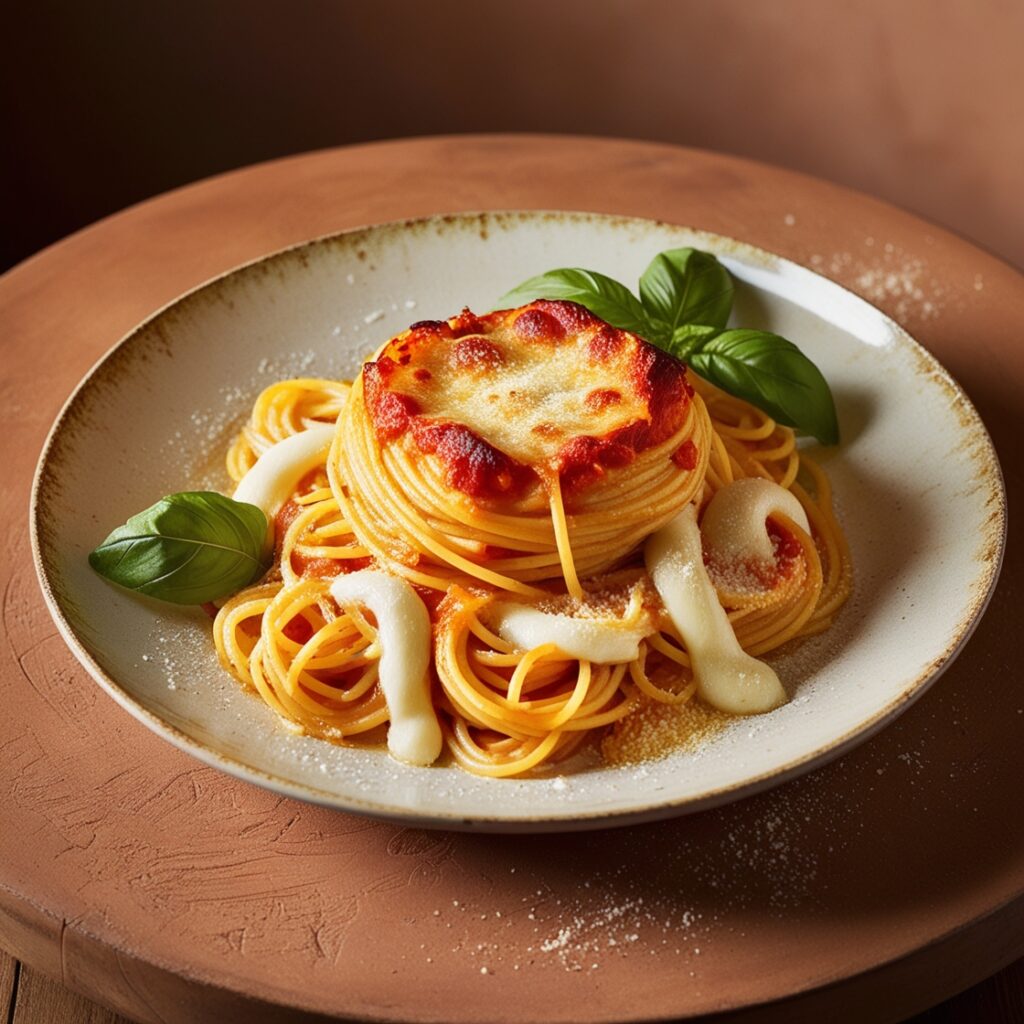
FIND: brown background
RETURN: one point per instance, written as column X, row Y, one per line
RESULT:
column 917, row 101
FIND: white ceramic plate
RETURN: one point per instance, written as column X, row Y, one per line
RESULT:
column 916, row 480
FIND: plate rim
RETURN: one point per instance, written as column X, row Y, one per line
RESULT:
column 518, row 822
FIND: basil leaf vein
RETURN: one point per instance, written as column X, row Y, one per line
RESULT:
column 689, row 338
column 188, row 548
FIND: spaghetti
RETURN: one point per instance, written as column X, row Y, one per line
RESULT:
column 518, row 461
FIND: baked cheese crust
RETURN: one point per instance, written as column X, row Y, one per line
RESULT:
column 507, row 399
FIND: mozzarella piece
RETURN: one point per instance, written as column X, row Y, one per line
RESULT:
column 277, row 472
column 727, row 677
column 602, row 641
column 403, row 628
column 735, row 527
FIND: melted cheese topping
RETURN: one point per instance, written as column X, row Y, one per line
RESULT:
column 277, row 472
column 727, row 677
column 549, row 386
column 735, row 523
column 525, row 403
column 403, row 627
column 601, row 640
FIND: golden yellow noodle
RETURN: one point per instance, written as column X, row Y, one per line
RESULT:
column 315, row 665
column 512, row 710
column 319, row 538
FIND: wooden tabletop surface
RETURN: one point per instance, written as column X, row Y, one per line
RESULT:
column 175, row 894
column 33, row 998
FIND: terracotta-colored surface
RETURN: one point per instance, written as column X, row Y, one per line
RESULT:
column 894, row 877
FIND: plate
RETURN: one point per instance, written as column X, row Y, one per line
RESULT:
column 916, row 479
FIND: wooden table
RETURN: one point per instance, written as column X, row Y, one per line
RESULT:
column 173, row 893
column 33, row 998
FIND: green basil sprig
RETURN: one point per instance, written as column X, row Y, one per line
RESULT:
column 188, row 548
column 685, row 301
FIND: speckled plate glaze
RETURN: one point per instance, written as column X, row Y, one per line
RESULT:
column 916, row 479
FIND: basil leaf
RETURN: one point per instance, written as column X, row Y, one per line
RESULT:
column 687, row 286
column 187, row 548
column 688, row 339
column 603, row 296
column 774, row 375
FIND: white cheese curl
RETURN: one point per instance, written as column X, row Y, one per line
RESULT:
column 603, row 641
column 735, row 523
column 277, row 472
column 727, row 677
column 403, row 628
